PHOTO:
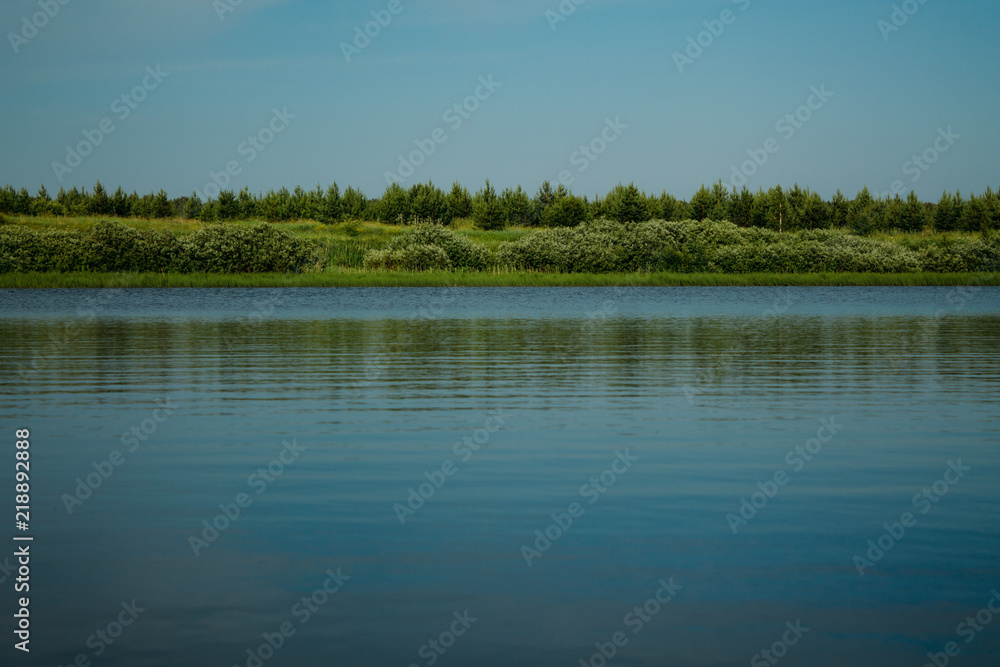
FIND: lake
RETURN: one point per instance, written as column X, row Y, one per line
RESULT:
column 530, row 476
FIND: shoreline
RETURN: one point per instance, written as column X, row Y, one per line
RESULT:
column 347, row 279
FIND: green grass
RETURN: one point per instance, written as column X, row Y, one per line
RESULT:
column 486, row 279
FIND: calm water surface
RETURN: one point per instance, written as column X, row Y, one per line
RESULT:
column 512, row 474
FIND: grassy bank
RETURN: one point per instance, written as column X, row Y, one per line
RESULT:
column 89, row 252
column 487, row 279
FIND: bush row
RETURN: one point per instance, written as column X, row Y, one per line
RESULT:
column 605, row 246
column 113, row 247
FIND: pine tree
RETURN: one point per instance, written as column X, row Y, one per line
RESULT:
column 119, row 204
column 518, row 207
column 701, row 204
column 487, row 210
column 839, row 209
column 354, row 203
column 945, row 214
column 460, row 201
column 913, row 216
column 394, row 206
column 893, row 213
column 226, row 207
column 332, row 207
column 568, row 210
column 860, row 216
column 544, row 198
column 740, row 207
column 192, row 210
column 162, row 208
column 247, row 205
column 630, row 206
column 720, row 202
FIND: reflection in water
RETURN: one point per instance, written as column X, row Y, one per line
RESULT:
column 295, row 438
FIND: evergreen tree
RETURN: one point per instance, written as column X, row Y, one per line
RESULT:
column 120, row 207
column 630, row 206
column 161, row 206
column 487, row 210
column 333, row 209
column 992, row 210
column 354, row 203
column 544, row 198
column 567, row 210
column 669, row 208
column 100, row 204
column 701, row 204
column 226, row 207
column 860, row 216
column 394, row 206
column 720, row 202
column 518, row 207
column 945, row 214
column 460, row 201
column 962, row 220
column 22, row 203
column 247, row 206
column 913, row 216
column 839, row 210
column 429, row 203
column 192, row 209
column 740, row 207
column 207, row 212
column 892, row 217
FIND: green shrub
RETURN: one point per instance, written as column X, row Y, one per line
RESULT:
column 461, row 252
column 257, row 249
column 114, row 247
column 416, row 257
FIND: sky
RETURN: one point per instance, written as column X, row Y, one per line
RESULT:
column 197, row 95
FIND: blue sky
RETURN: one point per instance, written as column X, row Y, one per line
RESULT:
column 887, row 96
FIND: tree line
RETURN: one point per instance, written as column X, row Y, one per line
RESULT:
column 779, row 209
